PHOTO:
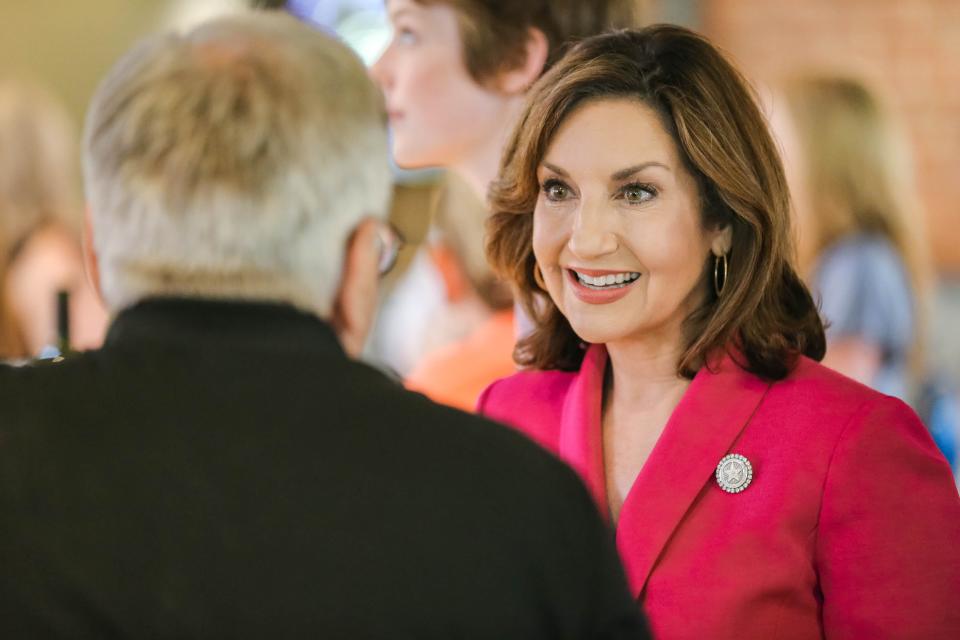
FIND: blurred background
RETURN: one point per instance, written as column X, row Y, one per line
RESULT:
column 908, row 49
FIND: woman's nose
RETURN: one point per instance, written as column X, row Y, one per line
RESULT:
column 593, row 234
column 379, row 70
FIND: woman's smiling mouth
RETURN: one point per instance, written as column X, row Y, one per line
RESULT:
column 606, row 281
column 601, row 287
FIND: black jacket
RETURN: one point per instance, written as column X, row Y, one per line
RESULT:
column 224, row 470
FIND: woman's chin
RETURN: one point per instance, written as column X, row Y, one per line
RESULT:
column 593, row 334
column 412, row 157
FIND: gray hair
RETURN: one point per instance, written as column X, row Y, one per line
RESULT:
column 233, row 162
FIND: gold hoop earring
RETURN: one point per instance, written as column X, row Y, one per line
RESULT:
column 538, row 276
column 719, row 281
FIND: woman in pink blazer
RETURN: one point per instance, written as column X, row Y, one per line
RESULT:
column 642, row 215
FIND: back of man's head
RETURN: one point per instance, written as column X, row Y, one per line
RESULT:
column 233, row 162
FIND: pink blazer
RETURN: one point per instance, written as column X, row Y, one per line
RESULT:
column 849, row 529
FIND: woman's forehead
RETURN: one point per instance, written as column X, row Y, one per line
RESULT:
column 609, row 135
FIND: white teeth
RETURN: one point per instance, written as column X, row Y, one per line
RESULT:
column 617, row 279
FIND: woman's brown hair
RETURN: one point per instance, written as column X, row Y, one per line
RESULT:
column 494, row 32
column 765, row 312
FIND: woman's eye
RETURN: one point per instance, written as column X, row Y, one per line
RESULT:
column 637, row 193
column 405, row 35
column 555, row 190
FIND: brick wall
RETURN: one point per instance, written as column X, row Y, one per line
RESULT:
column 910, row 47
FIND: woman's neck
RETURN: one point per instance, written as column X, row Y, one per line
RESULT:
column 480, row 166
column 644, row 374
column 643, row 391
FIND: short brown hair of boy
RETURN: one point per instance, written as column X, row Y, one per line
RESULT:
column 494, row 32
column 766, row 316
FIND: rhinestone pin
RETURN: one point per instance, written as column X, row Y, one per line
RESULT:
column 734, row 473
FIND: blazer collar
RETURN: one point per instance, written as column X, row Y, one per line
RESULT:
column 714, row 410
column 581, row 435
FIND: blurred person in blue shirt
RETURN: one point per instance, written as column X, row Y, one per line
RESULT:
column 861, row 238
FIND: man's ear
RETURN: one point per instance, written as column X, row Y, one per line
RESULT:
column 355, row 305
column 722, row 241
column 518, row 80
column 90, row 262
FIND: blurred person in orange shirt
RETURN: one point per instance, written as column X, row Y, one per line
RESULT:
column 479, row 316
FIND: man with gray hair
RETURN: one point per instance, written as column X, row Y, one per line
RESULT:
column 223, row 466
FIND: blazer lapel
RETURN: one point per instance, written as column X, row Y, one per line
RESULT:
column 712, row 413
column 581, row 440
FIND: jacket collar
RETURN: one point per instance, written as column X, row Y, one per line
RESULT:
column 200, row 323
column 714, row 410
column 581, row 428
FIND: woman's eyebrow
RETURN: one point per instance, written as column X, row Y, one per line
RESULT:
column 637, row 168
column 557, row 170
column 401, row 12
